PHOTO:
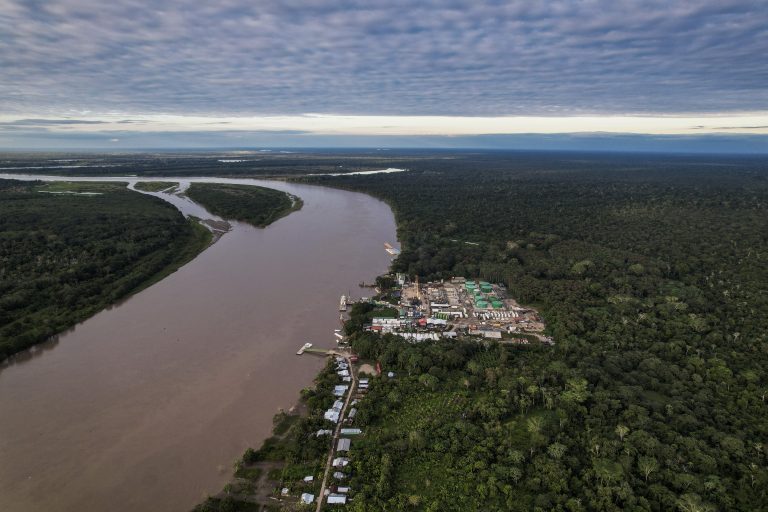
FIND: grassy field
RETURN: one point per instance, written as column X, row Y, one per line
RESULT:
column 79, row 187
column 155, row 186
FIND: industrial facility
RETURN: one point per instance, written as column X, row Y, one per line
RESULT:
column 459, row 307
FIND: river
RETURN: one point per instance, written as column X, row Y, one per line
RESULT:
column 146, row 405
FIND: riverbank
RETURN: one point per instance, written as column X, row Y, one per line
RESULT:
column 182, row 377
column 79, row 248
column 305, row 460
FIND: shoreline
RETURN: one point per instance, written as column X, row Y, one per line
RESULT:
column 237, row 371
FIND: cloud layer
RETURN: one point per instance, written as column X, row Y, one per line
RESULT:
column 238, row 57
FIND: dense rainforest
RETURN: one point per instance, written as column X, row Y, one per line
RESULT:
column 652, row 275
column 650, row 272
column 258, row 206
column 68, row 250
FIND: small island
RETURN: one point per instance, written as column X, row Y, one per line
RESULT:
column 258, row 206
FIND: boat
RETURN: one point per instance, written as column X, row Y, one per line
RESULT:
column 343, row 303
column 303, row 348
column 391, row 250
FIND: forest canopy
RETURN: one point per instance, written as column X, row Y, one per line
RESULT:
column 651, row 274
column 68, row 250
column 258, row 206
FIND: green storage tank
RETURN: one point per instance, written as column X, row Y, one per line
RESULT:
column 486, row 288
column 482, row 304
column 497, row 304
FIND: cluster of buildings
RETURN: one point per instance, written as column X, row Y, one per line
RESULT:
column 459, row 307
column 337, row 494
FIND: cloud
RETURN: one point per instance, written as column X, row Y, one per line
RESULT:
column 742, row 128
column 51, row 122
column 320, row 124
column 459, row 58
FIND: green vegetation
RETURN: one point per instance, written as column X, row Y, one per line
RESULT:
column 361, row 313
column 258, row 206
column 78, row 187
column 650, row 272
column 64, row 256
column 155, row 186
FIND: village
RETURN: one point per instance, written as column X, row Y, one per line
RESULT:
column 341, row 414
column 457, row 307
column 419, row 312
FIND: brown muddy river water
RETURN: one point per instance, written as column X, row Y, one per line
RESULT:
column 145, row 406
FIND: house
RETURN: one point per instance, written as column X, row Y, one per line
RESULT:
column 351, row 431
column 324, row 432
column 343, row 445
column 340, row 390
column 485, row 333
column 342, row 490
column 420, row 336
column 338, row 475
column 309, row 478
column 337, row 499
column 333, row 413
column 307, row 498
column 340, row 462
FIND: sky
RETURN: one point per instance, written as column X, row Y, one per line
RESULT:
column 592, row 74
